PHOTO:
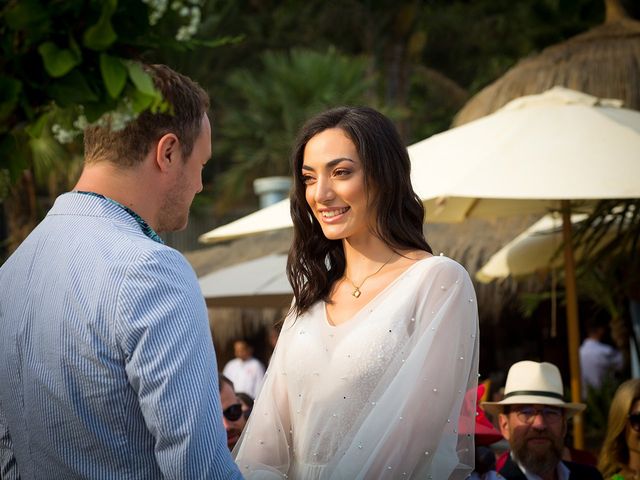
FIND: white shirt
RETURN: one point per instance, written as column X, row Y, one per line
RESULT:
column 246, row 375
column 597, row 360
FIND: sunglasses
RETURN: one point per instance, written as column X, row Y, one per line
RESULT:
column 233, row 413
column 634, row 421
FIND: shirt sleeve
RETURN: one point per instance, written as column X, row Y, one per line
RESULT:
column 171, row 365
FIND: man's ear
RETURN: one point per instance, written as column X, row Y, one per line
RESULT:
column 168, row 152
column 503, row 423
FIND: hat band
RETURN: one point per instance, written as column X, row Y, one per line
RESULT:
column 537, row 393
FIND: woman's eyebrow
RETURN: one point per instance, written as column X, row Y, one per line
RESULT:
column 330, row 164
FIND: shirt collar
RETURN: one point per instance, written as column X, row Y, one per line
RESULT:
column 562, row 470
column 144, row 226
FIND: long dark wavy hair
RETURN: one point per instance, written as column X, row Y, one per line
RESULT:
column 315, row 262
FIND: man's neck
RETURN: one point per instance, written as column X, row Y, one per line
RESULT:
column 125, row 186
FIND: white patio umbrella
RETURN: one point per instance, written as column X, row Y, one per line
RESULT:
column 528, row 156
column 273, row 217
column 536, row 154
column 536, row 249
column 533, row 250
column 259, row 283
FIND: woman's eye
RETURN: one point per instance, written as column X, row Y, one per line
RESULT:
column 341, row 172
column 307, row 179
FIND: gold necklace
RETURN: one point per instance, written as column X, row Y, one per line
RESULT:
column 356, row 288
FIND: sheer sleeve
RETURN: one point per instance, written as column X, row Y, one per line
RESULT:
column 263, row 451
column 419, row 425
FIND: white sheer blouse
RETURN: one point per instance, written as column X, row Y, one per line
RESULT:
column 381, row 396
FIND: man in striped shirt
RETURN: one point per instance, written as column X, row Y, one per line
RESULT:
column 107, row 368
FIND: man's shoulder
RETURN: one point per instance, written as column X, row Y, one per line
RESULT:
column 582, row 471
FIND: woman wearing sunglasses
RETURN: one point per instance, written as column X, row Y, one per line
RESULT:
column 620, row 454
column 369, row 375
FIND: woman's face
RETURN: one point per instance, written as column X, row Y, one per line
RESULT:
column 335, row 190
column 633, row 436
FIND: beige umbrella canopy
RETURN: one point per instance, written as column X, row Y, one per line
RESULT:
column 261, row 282
column 535, row 250
column 603, row 62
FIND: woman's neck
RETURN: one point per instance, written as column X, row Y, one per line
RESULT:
column 360, row 255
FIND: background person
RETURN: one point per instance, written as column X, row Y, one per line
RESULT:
column 598, row 359
column 373, row 361
column 107, row 367
column 244, row 371
column 233, row 416
column 533, row 418
column 620, row 453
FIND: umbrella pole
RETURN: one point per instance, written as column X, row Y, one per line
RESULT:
column 573, row 326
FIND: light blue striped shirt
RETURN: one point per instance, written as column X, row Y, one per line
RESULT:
column 107, row 368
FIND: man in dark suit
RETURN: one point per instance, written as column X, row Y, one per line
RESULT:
column 533, row 418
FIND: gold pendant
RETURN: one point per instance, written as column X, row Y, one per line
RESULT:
column 356, row 293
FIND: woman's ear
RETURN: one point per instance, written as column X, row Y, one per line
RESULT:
column 168, row 152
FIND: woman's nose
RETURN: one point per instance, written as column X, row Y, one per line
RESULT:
column 324, row 190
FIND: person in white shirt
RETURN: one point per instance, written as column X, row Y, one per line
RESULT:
column 244, row 371
column 597, row 358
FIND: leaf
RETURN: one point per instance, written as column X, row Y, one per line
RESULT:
column 57, row 61
column 141, row 79
column 26, row 14
column 217, row 42
column 101, row 35
column 10, row 89
column 94, row 110
column 13, row 158
column 114, row 74
column 71, row 90
column 35, row 129
column 141, row 101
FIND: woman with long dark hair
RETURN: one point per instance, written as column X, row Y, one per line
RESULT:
column 369, row 375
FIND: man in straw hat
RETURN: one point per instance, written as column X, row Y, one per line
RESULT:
column 533, row 418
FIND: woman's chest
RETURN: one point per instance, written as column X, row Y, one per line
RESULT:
column 325, row 357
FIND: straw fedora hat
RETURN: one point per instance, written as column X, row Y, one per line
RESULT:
column 534, row 383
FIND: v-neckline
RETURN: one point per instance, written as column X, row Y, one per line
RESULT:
column 323, row 304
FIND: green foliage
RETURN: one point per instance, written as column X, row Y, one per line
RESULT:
column 114, row 74
column 68, row 62
column 58, row 61
column 598, row 402
column 101, row 35
column 271, row 105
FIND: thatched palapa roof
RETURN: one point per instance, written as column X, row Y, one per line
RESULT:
column 604, row 62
